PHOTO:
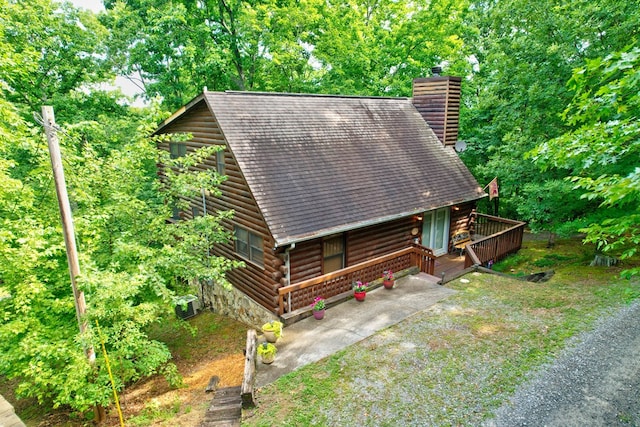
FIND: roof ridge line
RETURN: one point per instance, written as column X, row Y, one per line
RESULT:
column 318, row 95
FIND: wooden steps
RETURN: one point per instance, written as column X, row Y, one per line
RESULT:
column 225, row 409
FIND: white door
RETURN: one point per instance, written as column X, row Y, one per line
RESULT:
column 435, row 231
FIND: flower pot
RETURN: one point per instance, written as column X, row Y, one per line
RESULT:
column 270, row 336
column 267, row 352
column 388, row 284
column 267, row 360
column 272, row 331
column 359, row 295
column 318, row 314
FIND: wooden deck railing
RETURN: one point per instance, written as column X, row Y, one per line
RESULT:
column 502, row 237
column 301, row 294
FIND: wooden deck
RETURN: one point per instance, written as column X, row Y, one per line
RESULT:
column 500, row 237
column 449, row 264
column 493, row 239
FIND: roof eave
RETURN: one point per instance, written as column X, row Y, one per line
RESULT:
column 361, row 224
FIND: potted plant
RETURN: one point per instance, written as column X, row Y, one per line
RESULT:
column 387, row 279
column 318, row 307
column 267, row 352
column 360, row 290
column 272, row 330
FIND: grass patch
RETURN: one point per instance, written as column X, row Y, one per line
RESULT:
column 511, row 262
column 551, row 260
column 154, row 412
column 457, row 362
column 205, row 335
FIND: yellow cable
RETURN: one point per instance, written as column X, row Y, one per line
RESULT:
column 113, row 384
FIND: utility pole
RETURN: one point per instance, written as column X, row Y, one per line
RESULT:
column 69, row 233
column 67, row 220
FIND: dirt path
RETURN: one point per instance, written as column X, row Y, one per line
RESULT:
column 595, row 382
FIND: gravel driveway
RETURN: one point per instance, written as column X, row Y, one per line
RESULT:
column 594, row 382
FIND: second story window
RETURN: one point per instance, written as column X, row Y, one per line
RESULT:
column 249, row 245
column 177, row 149
column 220, row 161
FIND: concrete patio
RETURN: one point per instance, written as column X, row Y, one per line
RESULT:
column 310, row 340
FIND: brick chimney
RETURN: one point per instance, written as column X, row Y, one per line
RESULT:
column 437, row 99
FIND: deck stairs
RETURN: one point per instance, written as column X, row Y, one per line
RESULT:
column 225, row 409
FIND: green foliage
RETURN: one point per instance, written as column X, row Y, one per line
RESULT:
column 153, row 412
column 509, row 262
column 48, row 50
column 526, row 52
column 179, row 47
column 130, row 257
column 379, row 48
column 549, row 260
column 602, row 148
column 553, row 206
column 266, row 349
column 310, row 46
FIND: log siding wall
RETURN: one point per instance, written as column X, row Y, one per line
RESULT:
column 305, row 260
column 462, row 218
column 372, row 242
column 261, row 283
column 360, row 245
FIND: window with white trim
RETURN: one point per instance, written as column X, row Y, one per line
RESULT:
column 249, row 245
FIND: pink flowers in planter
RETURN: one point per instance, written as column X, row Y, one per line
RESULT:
column 318, row 304
column 360, row 286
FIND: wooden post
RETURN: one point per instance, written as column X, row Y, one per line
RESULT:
column 247, row 392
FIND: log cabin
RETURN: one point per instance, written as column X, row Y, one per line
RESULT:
column 319, row 183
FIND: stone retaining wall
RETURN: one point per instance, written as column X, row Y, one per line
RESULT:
column 235, row 304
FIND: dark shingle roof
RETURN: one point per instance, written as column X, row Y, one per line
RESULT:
column 317, row 165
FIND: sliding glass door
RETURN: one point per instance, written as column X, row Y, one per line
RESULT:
column 435, row 231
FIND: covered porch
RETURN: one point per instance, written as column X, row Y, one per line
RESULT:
column 493, row 239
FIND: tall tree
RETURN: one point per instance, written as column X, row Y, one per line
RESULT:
column 51, row 50
column 526, row 52
column 176, row 48
column 130, row 255
column 378, row 47
column 602, row 148
column 354, row 47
